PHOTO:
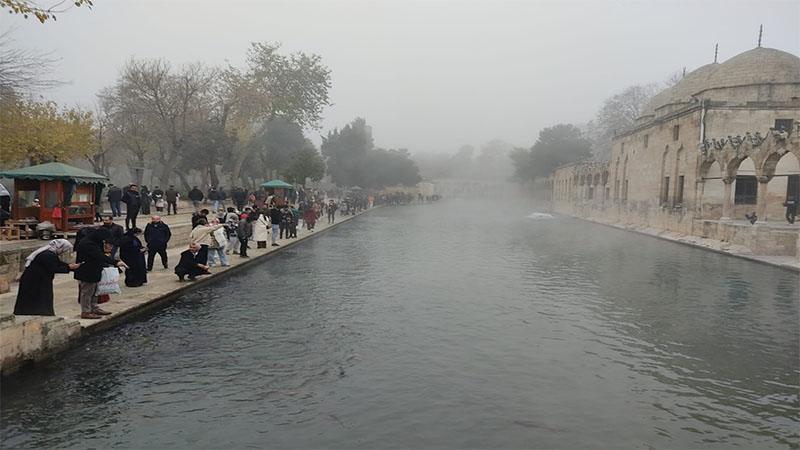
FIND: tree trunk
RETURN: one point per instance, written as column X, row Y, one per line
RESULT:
column 182, row 176
column 212, row 172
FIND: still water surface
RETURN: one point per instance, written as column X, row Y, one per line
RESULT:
column 441, row 326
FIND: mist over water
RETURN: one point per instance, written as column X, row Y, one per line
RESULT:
column 449, row 325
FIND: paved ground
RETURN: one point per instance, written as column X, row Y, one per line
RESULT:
column 161, row 282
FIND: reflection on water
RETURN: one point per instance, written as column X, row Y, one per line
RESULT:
column 439, row 326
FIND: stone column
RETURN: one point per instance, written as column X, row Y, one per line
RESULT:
column 761, row 202
column 727, row 202
column 699, row 188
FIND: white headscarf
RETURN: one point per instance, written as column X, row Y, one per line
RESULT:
column 56, row 246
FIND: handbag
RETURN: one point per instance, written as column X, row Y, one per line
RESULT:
column 109, row 282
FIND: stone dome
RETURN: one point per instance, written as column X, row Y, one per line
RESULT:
column 682, row 91
column 756, row 66
column 759, row 66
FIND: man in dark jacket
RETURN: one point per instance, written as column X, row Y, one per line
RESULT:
column 172, row 199
column 92, row 259
column 114, row 199
column 275, row 217
column 244, row 232
column 157, row 236
column 239, row 197
column 222, row 196
column 192, row 263
column 196, row 196
column 115, row 233
column 133, row 202
column 213, row 195
column 202, row 215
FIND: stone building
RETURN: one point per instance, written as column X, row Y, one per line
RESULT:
column 722, row 143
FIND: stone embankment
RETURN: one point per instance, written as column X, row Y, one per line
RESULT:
column 27, row 339
column 716, row 245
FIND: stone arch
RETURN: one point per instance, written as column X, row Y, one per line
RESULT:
column 745, row 175
column 782, row 173
column 597, row 178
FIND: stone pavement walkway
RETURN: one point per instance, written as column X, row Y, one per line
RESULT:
column 161, row 282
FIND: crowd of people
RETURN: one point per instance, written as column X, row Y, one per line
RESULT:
column 215, row 235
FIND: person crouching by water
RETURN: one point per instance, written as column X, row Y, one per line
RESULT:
column 92, row 259
column 35, row 294
column 192, row 263
column 131, row 251
column 201, row 234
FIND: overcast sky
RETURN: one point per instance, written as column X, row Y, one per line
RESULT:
column 427, row 75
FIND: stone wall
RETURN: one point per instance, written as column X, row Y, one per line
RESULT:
column 25, row 339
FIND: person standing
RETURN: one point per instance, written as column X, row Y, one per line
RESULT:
column 310, row 218
column 144, row 194
column 131, row 252
column 114, row 199
column 222, row 196
column 192, row 263
column 133, row 202
column 332, row 211
column 115, row 233
column 35, row 294
column 213, row 195
column 92, row 259
column 231, row 224
column 196, row 196
column 239, row 197
column 261, row 228
column 275, row 217
column 244, row 232
column 287, row 219
column 158, row 199
column 172, row 197
column 201, row 234
column 157, row 235
column 791, row 209
column 217, row 246
column 5, row 205
column 295, row 221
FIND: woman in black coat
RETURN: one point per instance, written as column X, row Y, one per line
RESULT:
column 35, row 294
column 131, row 252
column 144, row 193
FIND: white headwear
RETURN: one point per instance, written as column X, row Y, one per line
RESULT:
column 56, row 246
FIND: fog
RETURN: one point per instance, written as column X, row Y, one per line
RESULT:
column 427, row 76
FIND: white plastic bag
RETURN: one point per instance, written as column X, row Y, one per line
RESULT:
column 221, row 236
column 109, row 282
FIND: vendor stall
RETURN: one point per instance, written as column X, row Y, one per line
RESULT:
column 59, row 193
column 280, row 189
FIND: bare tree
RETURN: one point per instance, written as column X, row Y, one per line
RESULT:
column 24, row 71
column 618, row 114
column 42, row 13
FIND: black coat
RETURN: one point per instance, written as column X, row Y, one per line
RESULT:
column 275, row 216
column 116, row 232
column 157, row 234
column 188, row 263
column 90, row 253
column 171, row 195
column 35, row 295
column 130, row 251
column 196, row 195
column 132, row 199
column 114, row 194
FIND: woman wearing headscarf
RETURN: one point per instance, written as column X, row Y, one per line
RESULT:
column 35, row 295
column 131, row 251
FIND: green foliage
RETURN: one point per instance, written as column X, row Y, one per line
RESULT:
column 39, row 132
column 346, row 152
column 352, row 160
column 306, row 163
column 556, row 146
column 391, row 168
column 276, row 146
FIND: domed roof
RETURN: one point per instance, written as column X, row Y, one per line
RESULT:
column 756, row 66
column 753, row 67
column 682, row 90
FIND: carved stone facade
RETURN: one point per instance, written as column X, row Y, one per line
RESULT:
column 721, row 144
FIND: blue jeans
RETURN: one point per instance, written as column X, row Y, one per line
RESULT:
column 220, row 253
column 115, row 208
column 215, row 206
column 276, row 229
